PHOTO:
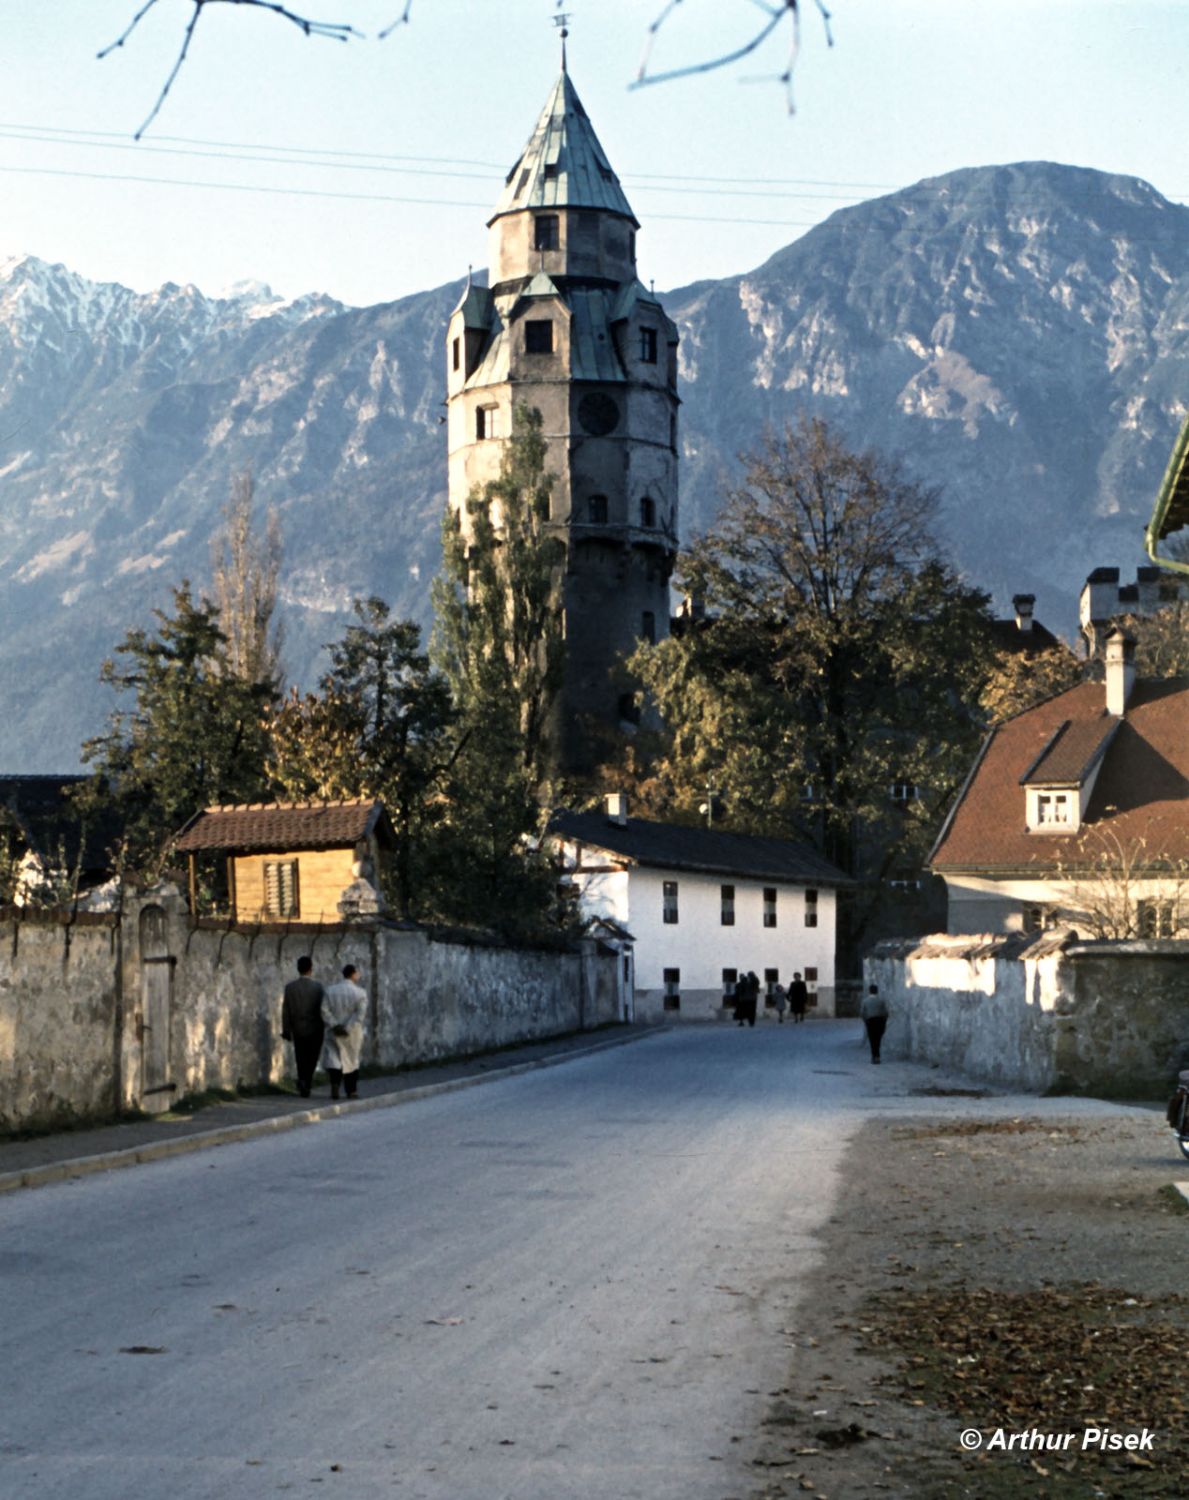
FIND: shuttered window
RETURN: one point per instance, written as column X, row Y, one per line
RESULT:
column 280, row 887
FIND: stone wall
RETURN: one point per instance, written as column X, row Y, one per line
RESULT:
column 79, row 1004
column 59, row 1019
column 1041, row 1013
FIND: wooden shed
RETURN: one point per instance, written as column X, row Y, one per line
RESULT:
column 289, row 861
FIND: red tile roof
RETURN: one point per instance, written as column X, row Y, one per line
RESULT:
column 1072, row 752
column 284, row 825
column 1142, row 790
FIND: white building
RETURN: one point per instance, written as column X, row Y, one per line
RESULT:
column 703, row 907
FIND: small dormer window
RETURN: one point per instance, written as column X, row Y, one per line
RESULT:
column 456, row 353
column 1052, row 810
column 550, row 171
column 648, row 346
column 538, row 336
column 545, row 232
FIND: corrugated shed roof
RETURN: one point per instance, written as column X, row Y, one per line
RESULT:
column 1142, row 791
column 563, row 165
column 285, row 825
column 671, row 846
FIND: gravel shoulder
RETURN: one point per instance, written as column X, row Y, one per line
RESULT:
column 1005, row 1274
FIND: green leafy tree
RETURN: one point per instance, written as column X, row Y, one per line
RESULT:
column 194, row 735
column 498, row 640
column 380, row 725
column 831, row 691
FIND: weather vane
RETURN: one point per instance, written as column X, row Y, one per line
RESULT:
column 562, row 21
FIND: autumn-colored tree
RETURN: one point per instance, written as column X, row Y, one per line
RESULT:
column 831, row 691
column 1018, row 681
column 245, row 568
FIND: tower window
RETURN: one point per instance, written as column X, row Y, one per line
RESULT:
column 487, row 422
column 629, row 709
column 596, row 510
column 648, row 345
column 545, row 235
column 648, row 627
column 647, row 511
column 673, row 431
column 456, row 353
column 632, row 246
column 538, row 336
column 550, row 171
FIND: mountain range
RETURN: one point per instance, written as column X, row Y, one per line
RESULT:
column 1017, row 335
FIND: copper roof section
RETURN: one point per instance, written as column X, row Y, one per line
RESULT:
column 1171, row 511
column 563, row 165
column 1142, row 790
column 285, row 825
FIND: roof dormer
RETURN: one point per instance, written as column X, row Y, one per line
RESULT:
column 1059, row 782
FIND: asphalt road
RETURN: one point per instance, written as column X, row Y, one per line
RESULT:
column 571, row 1283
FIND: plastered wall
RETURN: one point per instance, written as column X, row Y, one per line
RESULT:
column 76, row 1006
column 1048, row 1013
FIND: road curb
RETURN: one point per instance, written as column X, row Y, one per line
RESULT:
column 132, row 1156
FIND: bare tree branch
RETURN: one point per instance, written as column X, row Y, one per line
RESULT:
column 401, row 20
column 775, row 13
column 338, row 31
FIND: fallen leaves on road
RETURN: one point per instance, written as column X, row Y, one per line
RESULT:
column 444, row 1322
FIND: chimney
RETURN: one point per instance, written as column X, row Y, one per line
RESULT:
column 1022, row 604
column 617, row 808
column 1120, row 671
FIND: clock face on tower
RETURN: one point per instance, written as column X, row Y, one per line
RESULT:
column 598, row 414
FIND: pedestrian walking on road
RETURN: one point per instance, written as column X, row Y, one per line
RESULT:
column 343, row 1008
column 874, row 1011
column 798, row 997
column 301, row 1023
column 781, row 1001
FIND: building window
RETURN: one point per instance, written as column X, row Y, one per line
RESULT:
column 771, row 980
column 632, row 245
column 550, row 171
column 545, row 234
column 648, row 511
column 629, row 709
column 730, row 977
column 648, row 346
column 456, row 353
column 727, row 892
column 280, row 887
column 810, row 910
column 1052, row 809
column 596, row 510
column 769, row 906
column 538, row 336
column 1156, row 919
column 648, row 627
column 487, row 422
column 811, row 985
column 904, row 791
column 672, row 989
column 670, row 902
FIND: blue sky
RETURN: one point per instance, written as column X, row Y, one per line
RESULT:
column 718, row 172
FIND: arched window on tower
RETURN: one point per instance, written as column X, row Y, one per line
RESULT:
column 596, row 510
column 648, row 511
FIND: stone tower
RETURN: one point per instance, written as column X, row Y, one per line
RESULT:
column 566, row 327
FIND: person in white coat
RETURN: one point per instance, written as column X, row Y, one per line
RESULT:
column 343, row 1008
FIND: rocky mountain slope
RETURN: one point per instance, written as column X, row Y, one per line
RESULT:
column 1019, row 335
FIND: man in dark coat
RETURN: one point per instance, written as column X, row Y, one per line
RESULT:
column 301, row 1023
column 798, row 997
